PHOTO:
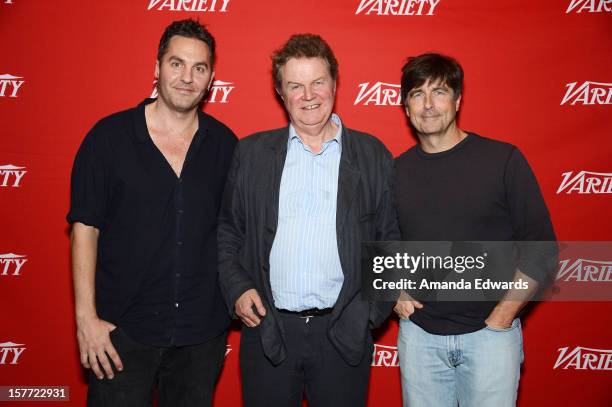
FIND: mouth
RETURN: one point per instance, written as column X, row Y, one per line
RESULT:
column 184, row 90
column 311, row 107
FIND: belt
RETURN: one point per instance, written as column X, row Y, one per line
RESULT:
column 307, row 313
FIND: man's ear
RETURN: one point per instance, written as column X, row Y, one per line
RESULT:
column 157, row 69
column 458, row 103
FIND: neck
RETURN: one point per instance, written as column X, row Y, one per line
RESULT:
column 314, row 137
column 171, row 120
column 438, row 142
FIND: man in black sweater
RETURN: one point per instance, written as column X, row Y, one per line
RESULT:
column 458, row 186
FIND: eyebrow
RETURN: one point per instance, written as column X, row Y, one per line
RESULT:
column 443, row 86
column 200, row 63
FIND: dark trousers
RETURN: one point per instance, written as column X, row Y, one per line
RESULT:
column 183, row 376
column 313, row 365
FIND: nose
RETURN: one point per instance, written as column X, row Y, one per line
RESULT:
column 428, row 101
column 308, row 93
column 186, row 75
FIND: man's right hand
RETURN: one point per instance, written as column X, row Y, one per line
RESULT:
column 95, row 346
column 405, row 308
column 244, row 308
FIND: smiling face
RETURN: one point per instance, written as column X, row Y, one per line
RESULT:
column 432, row 108
column 184, row 73
column 308, row 92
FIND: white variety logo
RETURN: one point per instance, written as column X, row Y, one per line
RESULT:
column 397, row 7
column 10, row 264
column 379, row 94
column 385, row 356
column 581, row 358
column 10, row 175
column 10, row 353
column 590, row 6
column 584, row 270
column 189, row 5
column 588, row 93
column 9, row 85
column 586, row 182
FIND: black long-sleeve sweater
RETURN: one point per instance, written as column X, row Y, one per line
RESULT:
column 479, row 190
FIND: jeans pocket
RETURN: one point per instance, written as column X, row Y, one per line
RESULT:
column 515, row 323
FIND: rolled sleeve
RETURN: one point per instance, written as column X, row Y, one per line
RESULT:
column 88, row 183
column 531, row 222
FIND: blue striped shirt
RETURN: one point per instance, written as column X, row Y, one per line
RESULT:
column 305, row 270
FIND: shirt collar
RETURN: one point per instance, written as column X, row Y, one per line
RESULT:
column 142, row 133
column 337, row 138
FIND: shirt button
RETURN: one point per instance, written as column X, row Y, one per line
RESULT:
column 178, row 274
column 180, row 211
column 179, row 243
column 176, row 305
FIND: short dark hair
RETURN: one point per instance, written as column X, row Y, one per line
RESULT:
column 432, row 67
column 302, row 46
column 186, row 28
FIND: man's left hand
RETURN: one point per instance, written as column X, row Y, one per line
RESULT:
column 497, row 320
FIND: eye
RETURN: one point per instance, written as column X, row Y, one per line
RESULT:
column 200, row 69
column 440, row 92
column 175, row 64
column 293, row 86
column 416, row 94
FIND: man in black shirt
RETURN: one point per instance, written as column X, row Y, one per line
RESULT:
column 458, row 186
column 145, row 192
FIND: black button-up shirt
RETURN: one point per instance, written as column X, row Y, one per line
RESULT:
column 156, row 273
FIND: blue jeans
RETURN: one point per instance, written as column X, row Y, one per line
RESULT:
column 481, row 368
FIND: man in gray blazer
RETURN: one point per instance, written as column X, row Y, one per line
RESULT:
column 298, row 203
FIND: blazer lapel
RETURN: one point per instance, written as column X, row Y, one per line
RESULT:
column 278, row 148
column 349, row 177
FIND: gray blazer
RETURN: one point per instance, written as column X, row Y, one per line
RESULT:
column 249, row 217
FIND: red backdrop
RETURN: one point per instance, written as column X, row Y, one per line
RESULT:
column 538, row 74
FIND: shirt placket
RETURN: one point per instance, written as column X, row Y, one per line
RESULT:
column 178, row 255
